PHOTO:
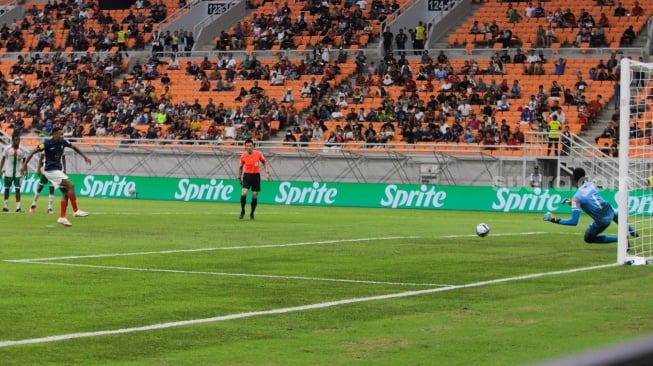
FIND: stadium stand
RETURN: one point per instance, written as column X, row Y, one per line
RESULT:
column 156, row 88
column 604, row 28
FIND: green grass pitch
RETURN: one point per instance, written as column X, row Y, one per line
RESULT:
column 170, row 283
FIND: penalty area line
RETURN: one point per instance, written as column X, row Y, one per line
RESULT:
column 251, row 314
column 323, row 242
column 228, row 274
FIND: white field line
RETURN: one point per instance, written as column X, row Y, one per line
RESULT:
column 211, row 249
column 233, row 213
column 64, row 337
column 303, row 278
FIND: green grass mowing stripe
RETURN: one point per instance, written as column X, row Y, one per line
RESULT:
column 329, row 304
column 254, row 247
column 162, row 270
column 212, row 249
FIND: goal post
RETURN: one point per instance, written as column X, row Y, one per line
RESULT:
column 635, row 196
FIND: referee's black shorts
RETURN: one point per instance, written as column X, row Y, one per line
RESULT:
column 252, row 181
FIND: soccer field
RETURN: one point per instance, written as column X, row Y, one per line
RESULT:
column 171, row 283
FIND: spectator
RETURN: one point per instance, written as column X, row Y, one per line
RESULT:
column 519, row 136
column 540, row 37
column 513, row 14
column 502, row 104
column 597, row 37
column 560, row 66
column 550, row 36
column 526, row 117
column 205, row 84
column 554, row 127
column 505, row 57
column 288, row 96
column 529, row 11
column 442, row 58
column 558, row 112
column 580, row 85
column 277, row 79
column 290, row 138
column 583, row 35
column 400, row 40
column 628, row 36
column 603, row 21
column 515, row 90
column 569, row 19
column 532, row 57
column 637, row 10
column 475, row 28
column 620, row 11
column 504, row 37
column 304, row 138
column 539, row 11
column 555, row 91
column 519, row 57
column 387, row 36
column 420, row 37
column 489, row 140
column 535, row 179
column 536, row 68
column 586, row 19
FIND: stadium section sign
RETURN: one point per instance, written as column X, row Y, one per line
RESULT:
column 414, row 196
column 440, row 5
column 217, row 8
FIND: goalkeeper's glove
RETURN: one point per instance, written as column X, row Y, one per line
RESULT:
column 551, row 218
column 567, row 201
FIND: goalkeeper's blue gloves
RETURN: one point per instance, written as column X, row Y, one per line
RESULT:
column 551, row 218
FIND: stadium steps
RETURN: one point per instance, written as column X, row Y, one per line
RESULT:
column 440, row 36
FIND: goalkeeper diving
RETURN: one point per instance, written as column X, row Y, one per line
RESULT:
column 589, row 200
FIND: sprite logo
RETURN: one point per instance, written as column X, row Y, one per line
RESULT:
column 424, row 197
column 116, row 187
column 28, row 184
column 213, row 191
column 639, row 203
column 538, row 201
column 315, row 194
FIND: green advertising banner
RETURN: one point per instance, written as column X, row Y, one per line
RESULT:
column 506, row 199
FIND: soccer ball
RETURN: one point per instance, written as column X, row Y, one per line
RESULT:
column 482, row 229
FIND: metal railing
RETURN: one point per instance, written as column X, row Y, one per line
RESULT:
column 176, row 14
column 458, row 163
column 533, row 147
column 649, row 34
column 579, row 152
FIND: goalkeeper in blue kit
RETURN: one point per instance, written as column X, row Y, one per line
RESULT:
column 589, row 200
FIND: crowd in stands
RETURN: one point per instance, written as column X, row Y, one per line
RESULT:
column 335, row 23
column 467, row 105
column 85, row 97
column 396, row 99
column 569, row 24
column 75, row 25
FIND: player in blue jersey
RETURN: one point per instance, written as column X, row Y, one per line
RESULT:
column 53, row 149
column 43, row 181
column 589, row 200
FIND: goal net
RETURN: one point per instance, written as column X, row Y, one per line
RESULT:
column 635, row 198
